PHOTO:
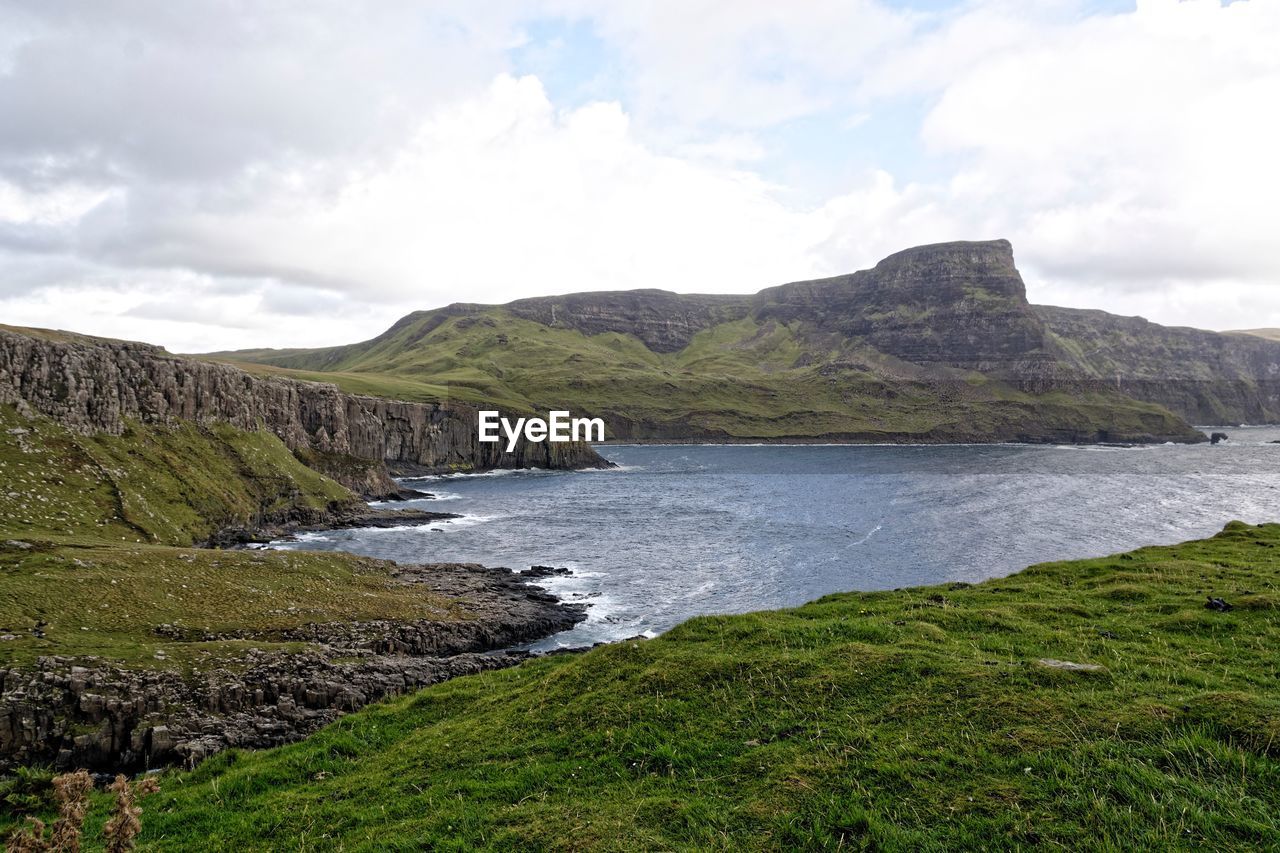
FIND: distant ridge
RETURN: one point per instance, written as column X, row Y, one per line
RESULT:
column 1269, row 334
column 934, row 343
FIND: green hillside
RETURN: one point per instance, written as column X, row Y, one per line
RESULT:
column 921, row 719
column 934, row 344
column 743, row 379
column 92, row 536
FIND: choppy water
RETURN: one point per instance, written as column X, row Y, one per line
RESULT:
column 685, row 530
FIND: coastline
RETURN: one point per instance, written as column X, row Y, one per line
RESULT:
column 901, row 439
column 69, row 714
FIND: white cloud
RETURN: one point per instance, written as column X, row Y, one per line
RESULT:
column 494, row 198
column 746, row 64
column 1132, row 147
column 297, row 174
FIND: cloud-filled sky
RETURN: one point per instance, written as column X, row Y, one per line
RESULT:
column 214, row 174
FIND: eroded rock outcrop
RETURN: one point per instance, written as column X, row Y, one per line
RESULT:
column 960, row 304
column 73, row 714
column 96, row 385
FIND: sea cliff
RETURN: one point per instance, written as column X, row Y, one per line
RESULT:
column 97, row 385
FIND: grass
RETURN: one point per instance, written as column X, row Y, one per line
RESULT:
column 917, row 719
column 106, row 601
column 92, row 530
column 159, row 484
column 745, row 379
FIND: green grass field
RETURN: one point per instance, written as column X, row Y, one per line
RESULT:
column 918, row 719
column 92, row 536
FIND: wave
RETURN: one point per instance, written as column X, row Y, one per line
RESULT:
column 865, row 539
column 465, row 475
column 465, row 521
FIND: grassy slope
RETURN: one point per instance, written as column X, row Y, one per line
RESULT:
column 743, row 379
column 913, row 719
column 88, row 526
column 171, row 485
column 1269, row 334
column 104, row 601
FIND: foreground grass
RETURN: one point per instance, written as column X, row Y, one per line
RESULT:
column 913, row 719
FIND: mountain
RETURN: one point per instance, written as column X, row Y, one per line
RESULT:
column 935, row 343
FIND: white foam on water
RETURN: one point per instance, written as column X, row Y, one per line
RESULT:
column 436, row 498
column 311, row 536
column 867, row 538
column 466, row 475
column 379, row 531
column 470, row 520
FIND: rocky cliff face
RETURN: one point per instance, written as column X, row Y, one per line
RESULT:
column 664, row 321
column 957, row 304
column 1206, row 377
column 888, row 353
column 95, row 385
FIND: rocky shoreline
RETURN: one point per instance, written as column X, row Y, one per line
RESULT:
column 74, row 714
column 342, row 517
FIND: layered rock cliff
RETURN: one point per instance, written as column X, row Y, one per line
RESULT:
column 97, row 385
column 1205, row 377
column 935, row 343
column 665, row 322
column 957, row 304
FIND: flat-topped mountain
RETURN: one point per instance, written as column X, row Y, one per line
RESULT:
column 935, row 343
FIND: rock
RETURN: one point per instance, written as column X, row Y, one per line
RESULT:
column 1204, row 377
column 1070, row 666
column 402, row 493
column 105, row 717
column 96, row 385
column 1216, row 604
column 1217, row 437
column 544, row 572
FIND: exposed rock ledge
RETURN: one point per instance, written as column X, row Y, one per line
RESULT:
column 96, row 385
column 103, row 717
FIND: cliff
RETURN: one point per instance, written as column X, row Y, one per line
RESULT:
column 81, row 711
column 98, row 385
column 934, row 344
column 1206, row 377
column 958, row 304
column 665, row 322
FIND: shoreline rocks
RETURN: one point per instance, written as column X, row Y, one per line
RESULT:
column 75, row 714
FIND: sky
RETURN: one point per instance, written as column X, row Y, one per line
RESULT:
column 217, row 174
